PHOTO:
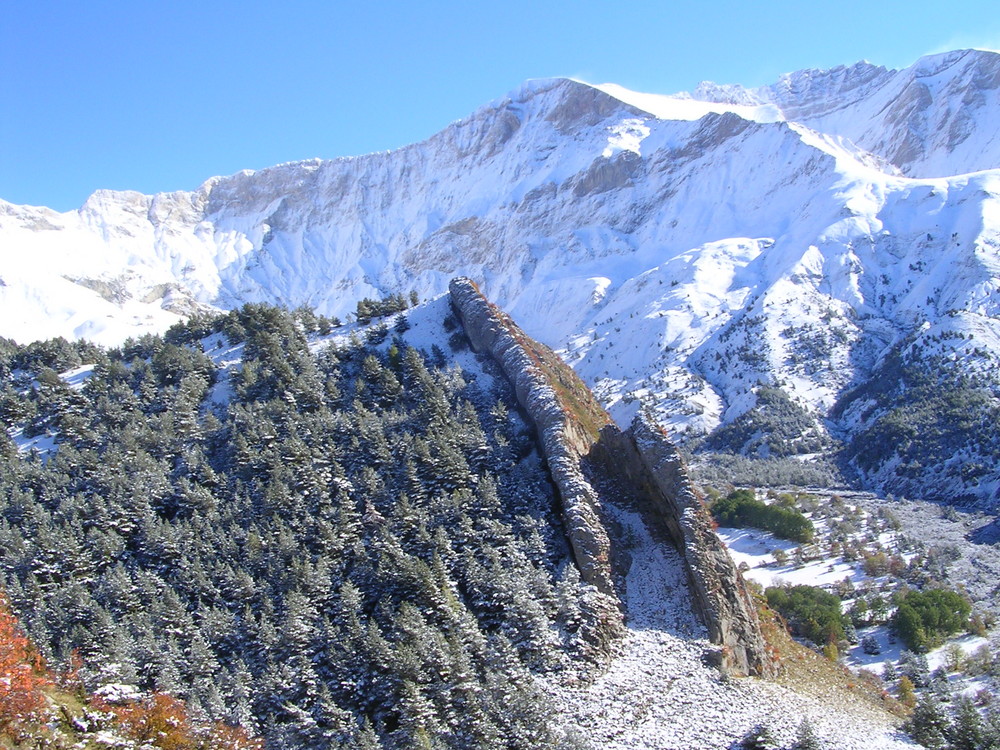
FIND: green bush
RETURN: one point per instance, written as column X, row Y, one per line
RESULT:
column 811, row 612
column 923, row 619
column 740, row 509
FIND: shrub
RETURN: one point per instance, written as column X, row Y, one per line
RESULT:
column 162, row 721
column 811, row 612
column 23, row 678
column 831, row 652
column 740, row 508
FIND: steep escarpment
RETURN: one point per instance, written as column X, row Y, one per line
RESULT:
column 567, row 426
column 647, row 462
column 581, row 443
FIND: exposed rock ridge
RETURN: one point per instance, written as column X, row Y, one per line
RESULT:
column 564, row 440
column 576, row 433
column 646, row 459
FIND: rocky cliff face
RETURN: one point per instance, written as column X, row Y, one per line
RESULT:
column 650, row 465
column 566, row 431
column 928, row 120
column 581, row 443
column 565, row 439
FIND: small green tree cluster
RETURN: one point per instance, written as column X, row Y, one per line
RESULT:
column 810, row 612
column 920, row 412
column 368, row 308
column 775, row 427
column 741, row 508
column 924, row 618
column 967, row 728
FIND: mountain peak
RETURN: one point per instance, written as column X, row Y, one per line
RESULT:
column 935, row 63
column 920, row 119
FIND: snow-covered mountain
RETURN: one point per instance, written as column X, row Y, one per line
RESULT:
column 799, row 254
column 933, row 119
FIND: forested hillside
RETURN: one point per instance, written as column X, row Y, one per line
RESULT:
column 347, row 543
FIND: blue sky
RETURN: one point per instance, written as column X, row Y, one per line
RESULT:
column 156, row 96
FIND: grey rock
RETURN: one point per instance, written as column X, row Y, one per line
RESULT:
column 564, row 440
column 650, row 464
column 583, row 449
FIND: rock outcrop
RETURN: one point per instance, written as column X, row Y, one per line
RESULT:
column 580, row 441
column 568, row 422
column 565, row 431
column 647, row 462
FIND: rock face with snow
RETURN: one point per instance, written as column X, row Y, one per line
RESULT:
column 649, row 465
column 565, row 438
column 929, row 120
column 811, row 239
column 579, row 441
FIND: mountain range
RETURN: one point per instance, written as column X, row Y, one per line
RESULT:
column 799, row 270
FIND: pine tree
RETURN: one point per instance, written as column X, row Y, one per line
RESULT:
column 889, row 672
column 967, row 730
column 929, row 724
column 759, row 738
column 805, row 737
column 342, row 544
column 907, row 695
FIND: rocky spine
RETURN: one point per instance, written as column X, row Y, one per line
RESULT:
column 580, row 440
column 649, row 463
column 564, row 439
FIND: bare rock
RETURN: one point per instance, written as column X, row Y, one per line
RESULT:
column 648, row 461
column 581, row 446
column 566, row 433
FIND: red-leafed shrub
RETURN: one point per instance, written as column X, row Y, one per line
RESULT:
column 23, row 678
column 163, row 722
column 26, row 685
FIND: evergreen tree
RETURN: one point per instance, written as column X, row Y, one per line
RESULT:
column 342, row 554
column 805, row 737
column 759, row 738
column 929, row 724
column 967, row 730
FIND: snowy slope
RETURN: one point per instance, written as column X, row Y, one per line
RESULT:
column 681, row 251
column 933, row 119
column 658, row 693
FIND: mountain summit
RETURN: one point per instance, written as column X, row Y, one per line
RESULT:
column 929, row 120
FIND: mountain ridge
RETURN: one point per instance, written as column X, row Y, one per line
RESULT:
column 680, row 263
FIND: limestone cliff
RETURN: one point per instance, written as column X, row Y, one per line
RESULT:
column 565, row 439
column 584, row 449
column 650, row 465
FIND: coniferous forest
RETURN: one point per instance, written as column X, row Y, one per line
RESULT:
column 349, row 545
